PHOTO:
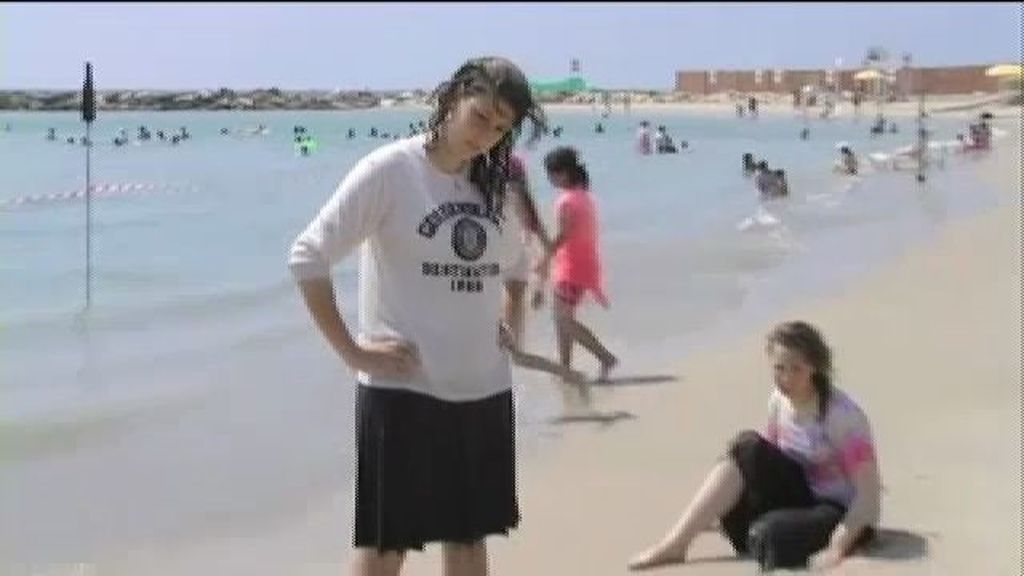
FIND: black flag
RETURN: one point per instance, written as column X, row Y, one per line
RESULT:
column 88, row 96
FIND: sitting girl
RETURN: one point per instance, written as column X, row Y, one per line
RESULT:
column 806, row 489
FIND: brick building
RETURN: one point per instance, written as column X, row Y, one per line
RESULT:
column 944, row 80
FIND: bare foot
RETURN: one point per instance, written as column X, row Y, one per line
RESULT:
column 606, row 367
column 574, row 377
column 658, row 555
column 576, row 380
column 583, row 393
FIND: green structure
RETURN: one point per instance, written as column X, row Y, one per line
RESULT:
column 570, row 85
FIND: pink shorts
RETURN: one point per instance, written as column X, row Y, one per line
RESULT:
column 571, row 294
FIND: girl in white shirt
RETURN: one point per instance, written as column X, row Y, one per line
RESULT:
column 434, row 418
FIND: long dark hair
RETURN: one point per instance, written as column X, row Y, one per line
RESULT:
column 504, row 81
column 805, row 339
column 521, row 180
column 565, row 160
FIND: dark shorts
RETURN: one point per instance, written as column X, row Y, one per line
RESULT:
column 778, row 520
column 432, row 471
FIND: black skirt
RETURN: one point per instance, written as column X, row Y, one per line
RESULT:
column 432, row 471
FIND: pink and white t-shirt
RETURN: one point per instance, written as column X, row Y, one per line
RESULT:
column 832, row 451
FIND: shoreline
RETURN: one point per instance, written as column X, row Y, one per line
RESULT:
column 711, row 105
column 957, row 109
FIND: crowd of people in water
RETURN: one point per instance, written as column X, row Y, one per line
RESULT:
column 648, row 141
column 121, row 137
column 659, row 141
column 769, row 182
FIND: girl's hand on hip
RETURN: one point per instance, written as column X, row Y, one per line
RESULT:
column 391, row 359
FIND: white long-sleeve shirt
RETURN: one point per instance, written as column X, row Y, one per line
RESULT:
column 432, row 267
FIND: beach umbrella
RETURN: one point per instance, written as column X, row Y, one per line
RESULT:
column 1008, row 76
column 869, row 74
column 1005, row 70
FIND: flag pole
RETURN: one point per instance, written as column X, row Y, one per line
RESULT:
column 88, row 115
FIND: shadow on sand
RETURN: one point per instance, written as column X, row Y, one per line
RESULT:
column 887, row 544
column 617, row 381
column 892, row 544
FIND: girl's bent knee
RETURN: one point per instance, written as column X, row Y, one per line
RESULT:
column 745, row 441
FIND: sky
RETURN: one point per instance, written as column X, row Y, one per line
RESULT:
column 406, row 46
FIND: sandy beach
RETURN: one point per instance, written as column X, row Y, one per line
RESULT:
column 720, row 105
column 929, row 346
column 776, row 105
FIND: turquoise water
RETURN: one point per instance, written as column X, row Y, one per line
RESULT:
column 199, row 361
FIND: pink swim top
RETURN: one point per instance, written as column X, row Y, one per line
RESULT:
column 576, row 261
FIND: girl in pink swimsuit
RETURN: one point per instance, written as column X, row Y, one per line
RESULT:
column 575, row 263
column 533, row 233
